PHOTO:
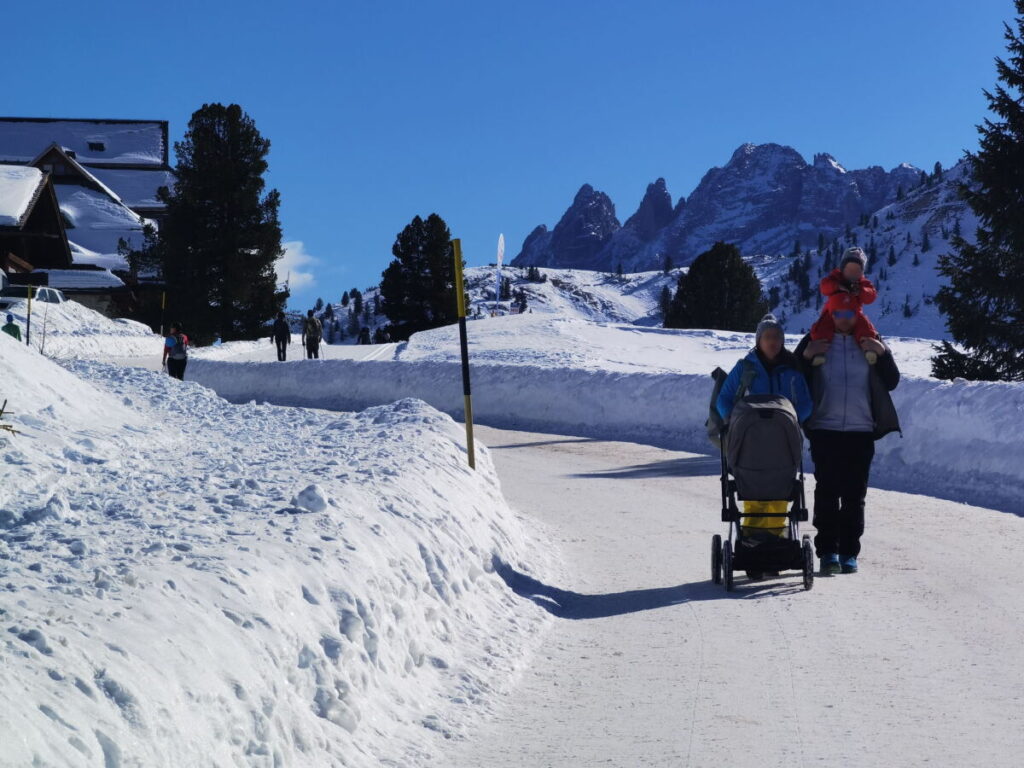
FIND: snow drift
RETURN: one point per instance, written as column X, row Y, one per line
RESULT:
column 189, row 582
column 652, row 386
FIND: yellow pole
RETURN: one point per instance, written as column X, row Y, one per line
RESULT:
column 460, row 295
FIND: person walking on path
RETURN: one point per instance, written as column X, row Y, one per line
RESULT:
column 176, row 352
column 852, row 409
column 768, row 369
column 312, row 333
column 281, row 336
column 12, row 328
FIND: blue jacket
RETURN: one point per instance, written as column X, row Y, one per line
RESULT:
column 786, row 379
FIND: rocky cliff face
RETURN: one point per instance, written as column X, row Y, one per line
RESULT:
column 578, row 237
column 764, row 199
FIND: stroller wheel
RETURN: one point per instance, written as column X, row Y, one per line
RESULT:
column 716, row 559
column 808, row 564
column 727, row 565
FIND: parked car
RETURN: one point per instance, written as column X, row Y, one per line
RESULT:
column 12, row 294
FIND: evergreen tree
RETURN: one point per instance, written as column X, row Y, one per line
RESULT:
column 319, row 305
column 357, row 302
column 667, row 265
column 892, row 255
column 917, row 260
column 720, row 290
column 937, row 171
column 926, row 243
column 418, row 288
column 984, row 299
column 329, row 312
column 618, row 269
column 221, row 236
column 344, row 299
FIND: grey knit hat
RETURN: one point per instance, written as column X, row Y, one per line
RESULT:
column 768, row 321
column 854, row 254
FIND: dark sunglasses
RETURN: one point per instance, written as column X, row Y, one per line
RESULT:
column 844, row 314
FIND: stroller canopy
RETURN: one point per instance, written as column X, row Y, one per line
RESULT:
column 763, row 447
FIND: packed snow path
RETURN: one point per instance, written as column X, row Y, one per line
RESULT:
column 916, row 660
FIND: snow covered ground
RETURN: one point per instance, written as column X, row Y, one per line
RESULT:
column 915, row 661
column 649, row 385
column 189, row 582
column 72, row 330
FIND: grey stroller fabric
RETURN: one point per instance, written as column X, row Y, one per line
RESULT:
column 763, row 447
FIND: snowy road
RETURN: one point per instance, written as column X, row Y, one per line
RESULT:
column 917, row 660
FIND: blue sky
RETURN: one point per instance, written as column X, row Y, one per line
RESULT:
column 493, row 115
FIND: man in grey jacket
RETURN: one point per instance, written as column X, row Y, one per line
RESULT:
column 852, row 409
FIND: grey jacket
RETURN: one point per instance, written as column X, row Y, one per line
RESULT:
column 883, row 377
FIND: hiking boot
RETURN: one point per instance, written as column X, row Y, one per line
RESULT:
column 755, row 575
column 818, row 360
column 830, row 565
column 849, row 565
column 872, row 357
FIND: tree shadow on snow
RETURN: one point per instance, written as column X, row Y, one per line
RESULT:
column 573, row 605
column 690, row 466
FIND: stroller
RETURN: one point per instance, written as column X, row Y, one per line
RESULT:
column 762, row 451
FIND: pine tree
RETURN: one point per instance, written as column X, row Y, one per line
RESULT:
column 357, row 301
column 937, row 171
column 984, row 299
column 917, row 260
column 618, row 269
column 720, row 290
column 221, row 236
column 926, row 243
column 344, row 299
column 319, row 305
column 667, row 265
column 892, row 255
column 418, row 288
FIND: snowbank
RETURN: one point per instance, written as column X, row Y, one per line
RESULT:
column 961, row 440
column 189, row 582
column 72, row 330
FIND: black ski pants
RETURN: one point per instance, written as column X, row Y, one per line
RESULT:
column 176, row 367
column 312, row 349
column 282, row 349
column 842, row 462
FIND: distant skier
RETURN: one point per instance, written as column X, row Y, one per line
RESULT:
column 176, row 352
column 12, row 328
column 312, row 333
column 364, row 336
column 282, row 336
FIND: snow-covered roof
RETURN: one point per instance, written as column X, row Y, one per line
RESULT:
column 70, row 279
column 18, row 188
column 117, row 142
column 136, row 188
column 95, row 222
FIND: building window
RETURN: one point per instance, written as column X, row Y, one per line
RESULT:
column 97, row 146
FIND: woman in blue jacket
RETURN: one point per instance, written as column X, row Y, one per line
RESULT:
column 770, row 369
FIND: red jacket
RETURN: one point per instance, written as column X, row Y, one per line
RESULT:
column 834, row 283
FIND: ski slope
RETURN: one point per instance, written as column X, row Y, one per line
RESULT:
column 914, row 661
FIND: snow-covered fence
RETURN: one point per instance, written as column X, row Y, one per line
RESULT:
column 962, row 440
